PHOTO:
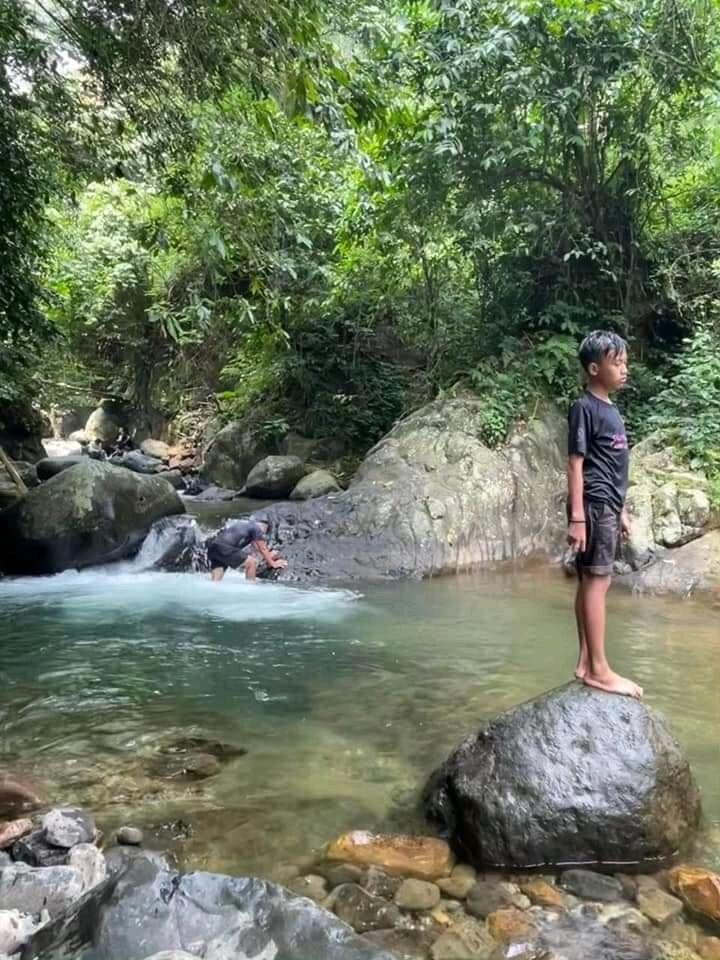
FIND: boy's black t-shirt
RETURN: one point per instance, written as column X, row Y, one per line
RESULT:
column 596, row 431
column 239, row 534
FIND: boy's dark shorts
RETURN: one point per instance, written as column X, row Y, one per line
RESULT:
column 221, row 555
column 603, row 531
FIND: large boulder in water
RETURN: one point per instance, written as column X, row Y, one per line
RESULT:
column 92, row 513
column 104, row 423
column 51, row 466
column 152, row 909
column 432, row 498
column 575, row 776
column 274, row 477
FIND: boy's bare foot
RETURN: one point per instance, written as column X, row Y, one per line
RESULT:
column 613, row 683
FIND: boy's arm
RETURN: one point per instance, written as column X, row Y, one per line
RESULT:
column 272, row 562
column 577, row 529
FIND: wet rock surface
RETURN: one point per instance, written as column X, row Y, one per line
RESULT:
column 92, row 513
column 576, row 775
column 432, row 498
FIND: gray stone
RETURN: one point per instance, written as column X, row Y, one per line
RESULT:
column 175, row 478
column 16, row 929
column 274, row 477
column 5, row 859
column 33, row 889
column 343, row 873
column 574, row 775
column 92, row 513
column 130, row 836
column 592, row 886
column 104, row 423
column 151, row 910
column 51, row 466
column 311, row 885
column 361, row 910
column 431, row 498
column 417, row 895
column 487, row 896
column 68, row 826
column 379, row 883
column 233, row 451
column 139, row 463
column 690, row 570
column 90, row 864
column 35, row 850
column 315, row 484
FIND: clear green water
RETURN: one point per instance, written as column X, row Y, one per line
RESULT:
column 344, row 701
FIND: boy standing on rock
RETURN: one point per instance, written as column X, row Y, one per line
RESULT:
column 598, row 460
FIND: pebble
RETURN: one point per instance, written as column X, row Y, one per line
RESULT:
column 463, row 941
column 402, row 943
column 90, row 864
column 344, row 873
column 456, row 887
column 450, row 906
column 130, row 836
column 659, row 906
column 66, row 826
column 361, row 910
column 463, row 871
column 13, row 830
column 592, row 886
column 543, row 894
column 510, row 924
column 379, row 883
column 311, row 885
column 417, row 895
column 487, row 896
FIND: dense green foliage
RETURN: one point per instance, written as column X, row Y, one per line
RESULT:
column 332, row 211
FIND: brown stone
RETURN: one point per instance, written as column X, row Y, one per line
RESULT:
column 699, row 889
column 709, row 948
column 543, row 894
column 466, row 940
column 12, row 831
column 17, row 795
column 510, row 924
column 658, row 906
column 425, row 858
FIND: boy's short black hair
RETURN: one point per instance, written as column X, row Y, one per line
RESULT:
column 599, row 344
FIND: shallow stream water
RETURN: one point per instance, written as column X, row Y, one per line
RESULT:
column 344, row 699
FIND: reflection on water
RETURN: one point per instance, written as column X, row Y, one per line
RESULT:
column 343, row 702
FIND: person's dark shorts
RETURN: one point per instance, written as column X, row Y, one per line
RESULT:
column 603, row 531
column 220, row 554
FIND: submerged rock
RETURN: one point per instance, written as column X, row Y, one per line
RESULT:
column 152, row 910
column 92, row 513
column 574, row 776
column 274, row 477
column 425, row 858
column 18, row 795
column 432, row 498
column 699, row 889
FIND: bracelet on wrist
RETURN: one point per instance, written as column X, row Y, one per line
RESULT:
column 575, row 520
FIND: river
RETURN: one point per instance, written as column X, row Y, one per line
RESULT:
column 343, row 699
